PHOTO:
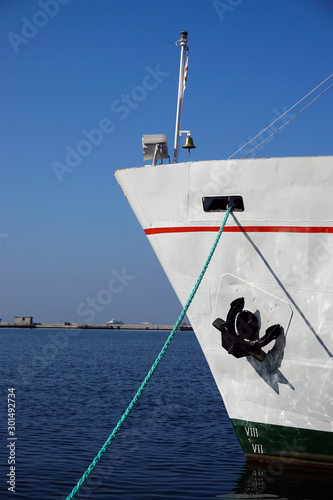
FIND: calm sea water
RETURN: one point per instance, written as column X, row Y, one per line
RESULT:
column 71, row 389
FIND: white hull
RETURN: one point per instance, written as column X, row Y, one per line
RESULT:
column 277, row 254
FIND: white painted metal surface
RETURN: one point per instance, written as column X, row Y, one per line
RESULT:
column 277, row 254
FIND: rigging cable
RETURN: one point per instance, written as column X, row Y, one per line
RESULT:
column 281, row 116
column 291, row 119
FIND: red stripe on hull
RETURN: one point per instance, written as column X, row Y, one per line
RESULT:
column 237, row 229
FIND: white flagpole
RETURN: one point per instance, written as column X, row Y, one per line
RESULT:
column 183, row 47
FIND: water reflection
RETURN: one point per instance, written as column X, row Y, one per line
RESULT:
column 282, row 482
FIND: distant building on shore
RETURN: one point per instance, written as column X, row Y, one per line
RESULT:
column 23, row 320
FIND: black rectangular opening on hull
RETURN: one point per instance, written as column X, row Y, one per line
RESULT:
column 222, row 203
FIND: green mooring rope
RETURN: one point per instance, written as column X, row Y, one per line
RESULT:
column 152, row 370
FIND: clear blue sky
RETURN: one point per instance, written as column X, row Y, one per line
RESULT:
column 66, row 67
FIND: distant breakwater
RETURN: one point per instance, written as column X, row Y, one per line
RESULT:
column 100, row 326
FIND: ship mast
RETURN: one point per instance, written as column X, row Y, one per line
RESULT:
column 182, row 43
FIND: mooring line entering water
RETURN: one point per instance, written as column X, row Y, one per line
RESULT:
column 152, row 369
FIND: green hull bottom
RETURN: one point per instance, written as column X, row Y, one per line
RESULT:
column 266, row 442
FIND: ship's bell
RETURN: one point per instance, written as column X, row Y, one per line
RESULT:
column 189, row 144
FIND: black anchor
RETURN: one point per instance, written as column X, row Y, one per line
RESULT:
column 240, row 327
